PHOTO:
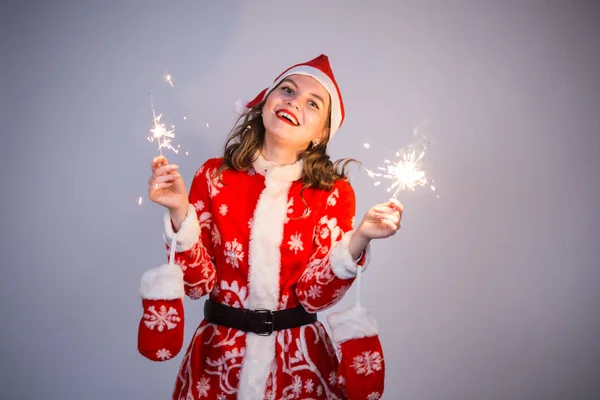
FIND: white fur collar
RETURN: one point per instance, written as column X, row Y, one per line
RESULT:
column 276, row 172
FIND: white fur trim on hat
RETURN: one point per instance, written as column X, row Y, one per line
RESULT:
column 354, row 323
column 342, row 263
column 188, row 234
column 162, row 283
column 336, row 106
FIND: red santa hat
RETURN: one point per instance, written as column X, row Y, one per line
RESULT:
column 361, row 371
column 319, row 69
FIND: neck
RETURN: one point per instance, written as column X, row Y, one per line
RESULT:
column 278, row 154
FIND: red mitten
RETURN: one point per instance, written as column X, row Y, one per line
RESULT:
column 160, row 333
column 361, row 372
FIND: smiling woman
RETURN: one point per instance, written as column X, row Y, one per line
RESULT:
column 267, row 231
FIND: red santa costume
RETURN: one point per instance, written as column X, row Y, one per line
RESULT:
column 251, row 240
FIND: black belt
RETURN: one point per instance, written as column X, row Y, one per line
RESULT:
column 260, row 321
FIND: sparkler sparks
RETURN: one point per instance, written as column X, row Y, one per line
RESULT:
column 406, row 173
column 159, row 131
column 168, row 79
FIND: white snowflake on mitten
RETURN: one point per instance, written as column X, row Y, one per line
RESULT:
column 374, row 396
column 367, row 363
column 161, row 318
column 163, row 354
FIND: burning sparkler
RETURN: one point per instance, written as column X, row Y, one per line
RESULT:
column 159, row 131
column 168, row 79
column 406, row 173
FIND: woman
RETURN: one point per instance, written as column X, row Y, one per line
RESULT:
column 267, row 233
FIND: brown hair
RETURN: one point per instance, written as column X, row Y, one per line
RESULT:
column 246, row 140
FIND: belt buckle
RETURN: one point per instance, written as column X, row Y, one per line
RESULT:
column 269, row 322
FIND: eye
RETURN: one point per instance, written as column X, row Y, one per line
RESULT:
column 287, row 89
column 313, row 104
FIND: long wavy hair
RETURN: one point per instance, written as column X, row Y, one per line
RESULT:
column 247, row 137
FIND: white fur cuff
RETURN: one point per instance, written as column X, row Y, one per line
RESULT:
column 354, row 323
column 189, row 233
column 342, row 263
column 162, row 283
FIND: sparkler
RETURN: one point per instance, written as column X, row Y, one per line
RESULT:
column 168, row 79
column 159, row 131
column 406, row 173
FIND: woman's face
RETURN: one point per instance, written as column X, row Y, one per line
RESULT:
column 295, row 112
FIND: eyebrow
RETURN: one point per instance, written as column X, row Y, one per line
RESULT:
column 290, row 80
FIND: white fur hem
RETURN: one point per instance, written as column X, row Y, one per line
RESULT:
column 189, row 233
column 342, row 263
column 162, row 283
column 354, row 323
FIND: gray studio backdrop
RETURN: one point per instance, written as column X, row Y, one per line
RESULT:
column 491, row 291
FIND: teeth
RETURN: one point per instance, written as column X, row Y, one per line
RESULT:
column 287, row 116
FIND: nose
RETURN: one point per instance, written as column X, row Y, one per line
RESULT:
column 292, row 103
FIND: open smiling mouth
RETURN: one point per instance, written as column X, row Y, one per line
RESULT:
column 287, row 117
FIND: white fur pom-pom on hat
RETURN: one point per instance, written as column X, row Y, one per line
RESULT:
column 240, row 107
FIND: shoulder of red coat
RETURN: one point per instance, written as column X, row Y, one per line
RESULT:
column 342, row 185
column 215, row 162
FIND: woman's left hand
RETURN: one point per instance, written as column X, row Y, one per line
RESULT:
column 381, row 221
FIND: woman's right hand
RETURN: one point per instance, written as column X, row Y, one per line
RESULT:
column 167, row 188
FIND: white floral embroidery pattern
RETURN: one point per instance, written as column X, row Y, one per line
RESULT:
column 332, row 378
column 333, row 197
column 216, row 236
column 314, row 292
column 367, row 363
column 163, row 354
column 223, row 209
column 233, row 253
column 199, row 171
column 240, row 292
column 309, row 386
column 214, row 183
column 195, row 293
column 290, row 210
column 297, row 385
column 319, row 391
column 203, row 387
column 162, row 318
column 199, row 205
column 374, row 396
column 296, row 243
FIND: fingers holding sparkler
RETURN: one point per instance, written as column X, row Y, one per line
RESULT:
column 166, row 186
column 382, row 220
